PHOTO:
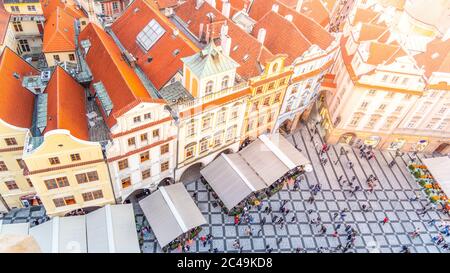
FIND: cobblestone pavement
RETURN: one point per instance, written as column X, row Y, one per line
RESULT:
column 25, row 215
column 391, row 199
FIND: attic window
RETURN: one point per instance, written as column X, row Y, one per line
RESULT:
column 176, row 52
column 246, row 57
column 149, row 59
column 16, row 75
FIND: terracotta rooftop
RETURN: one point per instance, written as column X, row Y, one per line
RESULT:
column 369, row 32
column 245, row 49
column 69, row 6
column 108, row 66
column 315, row 10
column 12, row 95
column 436, row 58
column 162, row 4
column 307, row 27
column 364, row 16
column 59, row 32
column 66, row 105
column 380, row 53
column 162, row 61
column 4, row 22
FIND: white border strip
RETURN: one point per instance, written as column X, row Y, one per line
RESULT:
column 110, row 229
column 281, row 156
column 173, row 209
column 55, row 234
column 241, row 175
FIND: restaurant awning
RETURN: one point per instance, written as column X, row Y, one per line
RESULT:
column 110, row 229
column 439, row 168
column 14, row 229
column 171, row 212
column 232, row 179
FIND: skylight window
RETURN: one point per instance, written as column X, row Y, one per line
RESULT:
column 150, row 34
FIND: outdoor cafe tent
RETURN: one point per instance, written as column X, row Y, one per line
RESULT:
column 171, row 212
column 110, row 229
column 439, row 168
column 14, row 229
column 234, row 177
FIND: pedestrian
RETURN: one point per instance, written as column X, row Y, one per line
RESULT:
column 385, row 220
column 279, row 240
column 311, row 199
column 263, row 221
column 415, row 233
column 340, row 178
column 336, row 162
column 293, row 219
column 335, row 215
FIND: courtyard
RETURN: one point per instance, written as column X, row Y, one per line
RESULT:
column 393, row 198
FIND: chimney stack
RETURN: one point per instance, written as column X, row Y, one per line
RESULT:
column 262, row 35
column 226, row 9
column 225, row 40
column 275, row 8
column 299, row 5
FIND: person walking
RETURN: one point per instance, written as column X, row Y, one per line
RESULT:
column 385, row 220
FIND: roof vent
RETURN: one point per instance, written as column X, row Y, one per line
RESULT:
column 246, row 57
column 136, row 10
column 16, row 75
column 435, row 55
column 176, row 52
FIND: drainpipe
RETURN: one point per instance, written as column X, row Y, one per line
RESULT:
column 110, row 179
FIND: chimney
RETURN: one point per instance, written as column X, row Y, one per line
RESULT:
column 262, row 35
column 225, row 40
column 201, row 31
column 212, row 3
column 289, row 17
column 275, row 8
column 226, row 8
column 299, row 5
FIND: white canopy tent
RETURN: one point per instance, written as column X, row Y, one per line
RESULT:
column 171, row 212
column 111, row 229
column 234, row 177
column 14, row 229
column 439, row 168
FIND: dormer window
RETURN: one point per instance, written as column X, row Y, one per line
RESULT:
column 209, row 87
column 225, row 82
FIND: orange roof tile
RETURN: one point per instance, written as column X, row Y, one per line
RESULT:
column 398, row 4
column 364, row 16
column 66, row 107
column 107, row 65
column 59, row 32
column 12, row 95
column 282, row 36
column 49, row 6
column 315, row 10
column 245, row 49
column 436, row 58
column 236, row 5
column 165, row 54
column 308, row 27
column 371, row 32
column 380, row 53
column 4, row 22
column 162, row 4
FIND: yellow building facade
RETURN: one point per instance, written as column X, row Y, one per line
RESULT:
column 67, row 173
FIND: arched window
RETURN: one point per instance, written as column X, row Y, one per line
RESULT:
column 209, row 87
column 225, row 82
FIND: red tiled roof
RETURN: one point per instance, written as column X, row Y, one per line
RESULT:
column 49, row 6
column 12, row 95
column 59, row 32
column 245, row 49
column 309, row 28
column 436, row 58
column 165, row 63
column 66, row 107
column 315, row 10
column 282, row 36
column 371, row 32
column 107, row 65
column 364, row 16
column 162, row 4
column 4, row 22
column 236, row 5
column 379, row 53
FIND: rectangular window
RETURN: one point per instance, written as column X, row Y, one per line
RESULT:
column 24, row 46
column 59, row 182
column 206, row 123
column 54, row 160
column 92, row 176
column 72, row 57
column 146, row 174
column 56, row 58
column 203, row 146
column 15, row 9
column 59, row 202
column 234, row 113
column 164, row 166
column 75, row 157
column 97, row 194
column 271, row 86
column 70, row 200
column 217, row 140
column 259, row 90
column 164, row 149
column 190, row 129
column 144, row 137
column 137, row 119
column 3, row 167
column 131, row 141
column 87, row 196
column 81, row 178
column 221, row 117
column 31, row 8
column 11, row 185
column 50, row 184
column 155, row 133
column 10, row 141
column 18, row 26
column 62, row 182
column 21, row 163
column 267, row 101
column 277, row 98
column 148, row 116
column 123, row 164
column 189, row 152
column 255, row 106
column 145, row 156
column 126, row 182
column 30, row 183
